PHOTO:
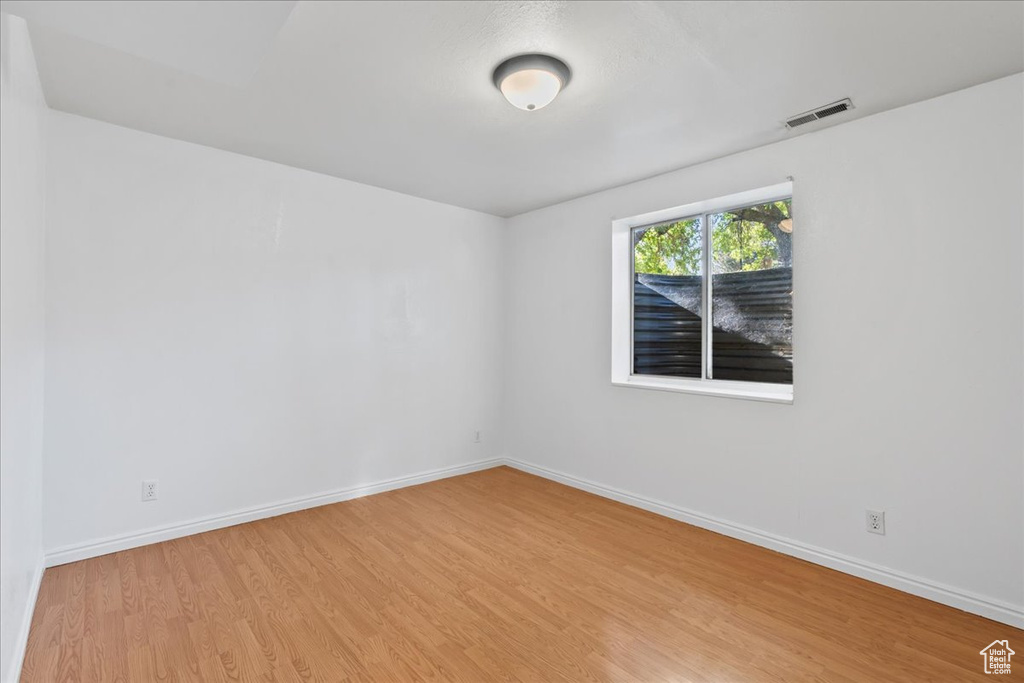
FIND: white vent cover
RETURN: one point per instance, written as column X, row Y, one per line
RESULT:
column 820, row 113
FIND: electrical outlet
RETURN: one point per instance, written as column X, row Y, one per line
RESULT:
column 477, row 438
column 149, row 490
column 875, row 520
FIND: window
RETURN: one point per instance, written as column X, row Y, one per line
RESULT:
column 703, row 297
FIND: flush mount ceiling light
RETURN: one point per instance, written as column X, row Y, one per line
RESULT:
column 530, row 82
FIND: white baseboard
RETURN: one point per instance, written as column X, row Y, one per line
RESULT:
column 967, row 601
column 990, row 608
column 18, row 655
column 113, row 544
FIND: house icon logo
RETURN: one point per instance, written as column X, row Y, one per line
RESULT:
column 997, row 657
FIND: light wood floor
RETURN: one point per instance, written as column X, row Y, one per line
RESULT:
column 497, row 575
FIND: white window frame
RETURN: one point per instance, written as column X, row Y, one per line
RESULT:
column 622, row 301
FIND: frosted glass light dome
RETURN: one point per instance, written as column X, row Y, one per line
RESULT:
column 531, row 82
column 531, row 88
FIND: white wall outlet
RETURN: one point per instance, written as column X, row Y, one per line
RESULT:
column 149, row 490
column 477, row 437
column 875, row 520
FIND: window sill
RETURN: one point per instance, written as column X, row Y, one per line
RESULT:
column 772, row 393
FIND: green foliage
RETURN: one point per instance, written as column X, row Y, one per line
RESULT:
column 750, row 239
column 742, row 240
column 670, row 249
column 741, row 245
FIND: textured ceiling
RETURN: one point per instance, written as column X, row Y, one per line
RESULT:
column 398, row 94
column 221, row 41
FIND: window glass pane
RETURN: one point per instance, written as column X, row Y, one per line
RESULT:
column 752, row 293
column 667, row 299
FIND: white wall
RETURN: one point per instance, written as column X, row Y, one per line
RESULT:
column 908, row 349
column 22, row 231
column 247, row 333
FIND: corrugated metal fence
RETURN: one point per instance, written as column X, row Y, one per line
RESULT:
column 753, row 325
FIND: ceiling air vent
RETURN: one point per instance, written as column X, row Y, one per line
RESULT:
column 820, row 113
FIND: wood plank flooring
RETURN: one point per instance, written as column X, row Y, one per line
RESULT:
column 497, row 575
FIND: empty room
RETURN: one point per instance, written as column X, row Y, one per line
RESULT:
column 482, row 341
